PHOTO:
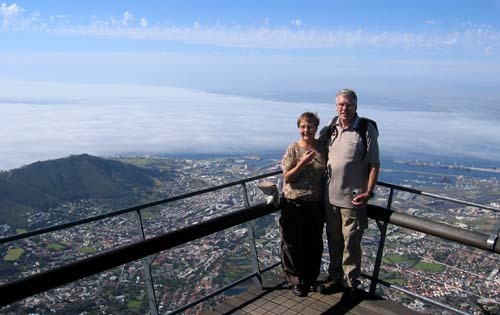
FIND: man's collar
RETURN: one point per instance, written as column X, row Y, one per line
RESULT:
column 355, row 122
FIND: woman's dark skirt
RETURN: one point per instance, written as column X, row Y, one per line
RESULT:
column 301, row 227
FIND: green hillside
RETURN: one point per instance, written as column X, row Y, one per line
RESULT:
column 46, row 184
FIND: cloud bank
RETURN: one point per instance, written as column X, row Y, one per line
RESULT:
column 118, row 119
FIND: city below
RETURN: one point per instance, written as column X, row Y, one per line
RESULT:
column 451, row 273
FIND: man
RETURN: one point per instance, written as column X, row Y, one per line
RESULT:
column 353, row 166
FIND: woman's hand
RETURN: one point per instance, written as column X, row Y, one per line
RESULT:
column 308, row 156
column 291, row 174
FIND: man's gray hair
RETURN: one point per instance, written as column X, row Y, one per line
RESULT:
column 349, row 94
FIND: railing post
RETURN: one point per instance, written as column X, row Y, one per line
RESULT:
column 380, row 251
column 147, row 262
column 251, row 240
column 389, row 200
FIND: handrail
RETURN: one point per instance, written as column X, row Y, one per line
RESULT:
column 442, row 230
column 131, row 209
column 50, row 279
column 445, row 231
column 423, row 193
column 206, row 190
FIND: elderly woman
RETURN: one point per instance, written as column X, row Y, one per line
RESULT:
column 301, row 221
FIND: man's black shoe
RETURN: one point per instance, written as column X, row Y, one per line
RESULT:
column 331, row 287
column 350, row 294
column 299, row 290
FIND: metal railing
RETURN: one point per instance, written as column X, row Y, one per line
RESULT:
column 53, row 278
column 384, row 216
column 115, row 213
column 25, row 287
column 441, row 230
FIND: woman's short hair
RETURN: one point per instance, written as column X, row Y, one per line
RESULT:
column 311, row 118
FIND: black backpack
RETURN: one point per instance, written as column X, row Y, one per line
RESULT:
column 329, row 130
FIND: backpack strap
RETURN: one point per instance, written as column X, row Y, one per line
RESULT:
column 362, row 129
column 333, row 125
column 327, row 131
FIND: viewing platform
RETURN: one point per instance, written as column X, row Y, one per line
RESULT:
column 278, row 299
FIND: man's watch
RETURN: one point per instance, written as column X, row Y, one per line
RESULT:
column 371, row 194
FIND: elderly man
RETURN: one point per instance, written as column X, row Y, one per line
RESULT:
column 353, row 167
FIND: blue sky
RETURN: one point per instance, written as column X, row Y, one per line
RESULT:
column 69, row 70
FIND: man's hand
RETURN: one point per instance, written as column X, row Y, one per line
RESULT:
column 361, row 199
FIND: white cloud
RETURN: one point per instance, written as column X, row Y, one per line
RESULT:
column 431, row 22
column 60, row 19
column 63, row 119
column 468, row 39
column 127, row 18
column 410, row 133
column 119, row 118
column 8, row 13
column 488, row 51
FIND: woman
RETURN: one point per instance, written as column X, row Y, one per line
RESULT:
column 301, row 221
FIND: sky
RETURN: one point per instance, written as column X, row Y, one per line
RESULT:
column 163, row 77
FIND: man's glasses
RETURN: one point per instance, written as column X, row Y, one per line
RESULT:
column 345, row 104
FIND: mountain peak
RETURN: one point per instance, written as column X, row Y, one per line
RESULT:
column 45, row 184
